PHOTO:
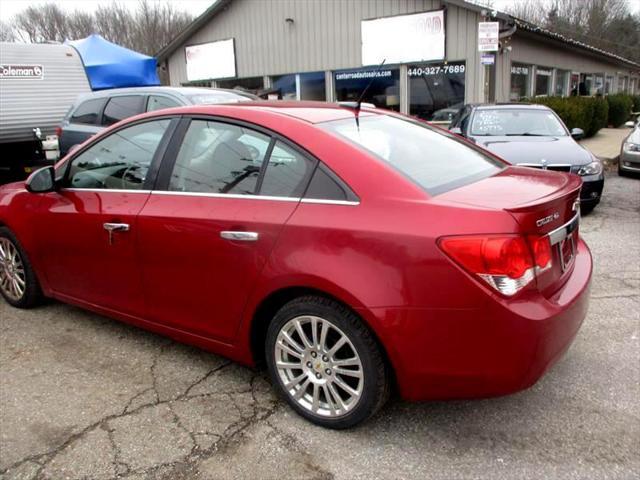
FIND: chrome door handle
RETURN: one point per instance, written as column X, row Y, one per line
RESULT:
column 240, row 236
column 115, row 227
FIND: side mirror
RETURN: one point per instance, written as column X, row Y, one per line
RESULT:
column 577, row 133
column 629, row 124
column 42, row 181
column 456, row 130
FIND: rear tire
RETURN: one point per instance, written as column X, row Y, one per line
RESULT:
column 19, row 285
column 334, row 386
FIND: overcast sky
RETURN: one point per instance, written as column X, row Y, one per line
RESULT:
column 8, row 8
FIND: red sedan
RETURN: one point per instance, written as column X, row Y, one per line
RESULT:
column 354, row 252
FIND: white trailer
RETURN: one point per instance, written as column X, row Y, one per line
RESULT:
column 38, row 84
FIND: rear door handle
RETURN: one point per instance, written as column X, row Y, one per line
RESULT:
column 115, row 227
column 240, row 236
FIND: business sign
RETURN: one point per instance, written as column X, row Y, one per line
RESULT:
column 487, row 59
column 432, row 69
column 22, row 71
column 211, row 60
column 488, row 36
column 403, row 38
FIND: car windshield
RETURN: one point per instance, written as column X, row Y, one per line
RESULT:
column 516, row 122
column 434, row 159
column 218, row 97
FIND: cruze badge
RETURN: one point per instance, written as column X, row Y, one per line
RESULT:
column 550, row 218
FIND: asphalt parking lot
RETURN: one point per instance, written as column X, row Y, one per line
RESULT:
column 82, row 396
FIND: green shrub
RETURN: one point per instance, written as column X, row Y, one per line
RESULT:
column 588, row 113
column 636, row 103
column 620, row 106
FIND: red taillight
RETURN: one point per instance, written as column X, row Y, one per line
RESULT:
column 506, row 262
column 58, row 132
column 541, row 248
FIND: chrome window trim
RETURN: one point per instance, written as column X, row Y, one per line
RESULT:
column 226, row 195
column 563, row 231
column 256, row 197
column 108, row 190
column 329, row 202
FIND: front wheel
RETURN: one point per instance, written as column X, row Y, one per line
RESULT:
column 326, row 362
column 18, row 283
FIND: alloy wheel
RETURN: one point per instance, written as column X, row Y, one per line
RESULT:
column 13, row 279
column 319, row 367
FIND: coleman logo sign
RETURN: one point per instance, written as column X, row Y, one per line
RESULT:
column 21, row 71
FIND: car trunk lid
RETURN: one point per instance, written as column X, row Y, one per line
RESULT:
column 542, row 203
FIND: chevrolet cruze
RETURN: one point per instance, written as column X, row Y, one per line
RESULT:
column 353, row 251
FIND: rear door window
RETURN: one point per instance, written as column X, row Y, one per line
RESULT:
column 217, row 157
column 433, row 159
column 121, row 107
column 88, row 111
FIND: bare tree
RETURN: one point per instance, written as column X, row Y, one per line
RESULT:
column 6, row 32
column 146, row 29
column 606, row 24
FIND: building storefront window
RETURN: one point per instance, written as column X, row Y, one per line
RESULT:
column 586, row 83
column 283, row 87
column 562, row 82
column 519, row 81
column 384, row 91
column 543, row 81
column 436, row 90
column 574, row 84
column 250, row 84
column 598, row 85
column 312, row 86
column 301, row 86
column 608, row 84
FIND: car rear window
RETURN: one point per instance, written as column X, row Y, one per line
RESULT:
column 434, row 159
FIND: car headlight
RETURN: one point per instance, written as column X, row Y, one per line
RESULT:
column 631, row 147
column 593, row 168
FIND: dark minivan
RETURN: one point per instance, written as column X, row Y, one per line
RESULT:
column 97, row 110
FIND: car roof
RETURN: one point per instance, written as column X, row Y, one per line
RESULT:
column 308, row 111
column 184, row 91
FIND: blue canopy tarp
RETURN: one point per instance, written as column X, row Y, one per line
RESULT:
column 111, row 66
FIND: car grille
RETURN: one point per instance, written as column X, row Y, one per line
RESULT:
column 558, row 167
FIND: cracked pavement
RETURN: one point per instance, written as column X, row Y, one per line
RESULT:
column 86, row 397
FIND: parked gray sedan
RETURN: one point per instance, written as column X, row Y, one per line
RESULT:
column 630, row 152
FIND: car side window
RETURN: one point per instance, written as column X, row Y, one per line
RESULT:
column 119, row 161
column 158, row 102
column 121, row 107
column 286, row 173
column 326, row 185
column 87, row 112
column 217, row 157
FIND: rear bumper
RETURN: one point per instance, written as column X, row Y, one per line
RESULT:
column 497, row 349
